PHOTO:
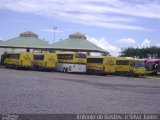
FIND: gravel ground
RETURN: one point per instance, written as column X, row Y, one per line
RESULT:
column 25, row 92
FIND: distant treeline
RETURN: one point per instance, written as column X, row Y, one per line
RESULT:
column 149, row 52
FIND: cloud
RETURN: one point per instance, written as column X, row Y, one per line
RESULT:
column 103, row 43
column 146, row 43
column 50, row 30
column 114, row 14
column 1, row 38
column 126, row 41
column 20, row 20
column 158, row 45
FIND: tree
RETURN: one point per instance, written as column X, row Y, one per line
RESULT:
column 152, row 52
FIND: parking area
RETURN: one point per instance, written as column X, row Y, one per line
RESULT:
column 52, row 92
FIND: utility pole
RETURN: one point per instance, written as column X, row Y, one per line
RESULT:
column 54, row 28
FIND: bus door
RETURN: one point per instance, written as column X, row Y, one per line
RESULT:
column 110, row 64
column 38, row 61
column 50, row 60
column 25, row 59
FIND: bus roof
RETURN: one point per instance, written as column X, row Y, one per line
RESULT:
column 99, row 56
column 69, row 52
column 42, row 53
column 129, row 58
column 95, row 56
column 153, row 60
column 124, row 58
column 16, row 52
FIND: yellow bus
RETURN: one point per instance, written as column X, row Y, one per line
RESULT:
column 18, row 60
column 129, row 66
column 71, row 62
column 100, row 65
column 44, row 61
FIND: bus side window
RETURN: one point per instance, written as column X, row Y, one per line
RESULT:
column 122, row 62
column 38, row 57
column 65, row 56
column 117, row 62
column 14, row 56
column 132, row 64
column 79, row 55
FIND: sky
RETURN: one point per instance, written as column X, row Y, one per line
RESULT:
column 110, row 24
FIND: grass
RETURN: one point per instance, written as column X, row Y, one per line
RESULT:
column 151, row 76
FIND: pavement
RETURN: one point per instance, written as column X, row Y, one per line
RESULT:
column 35, row 92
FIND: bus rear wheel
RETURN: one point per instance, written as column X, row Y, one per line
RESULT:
column 65, row 70
column 89, row 72
column 127, row 74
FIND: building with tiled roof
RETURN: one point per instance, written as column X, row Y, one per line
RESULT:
column 1, row 41
column 25, row 40
column 29, row 41
column 77, row 42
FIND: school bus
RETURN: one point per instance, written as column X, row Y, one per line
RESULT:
column 18, row 60
column 126, row 66
column 129, row 66
column 71, row 62
column 100, row 65
column 44, row 61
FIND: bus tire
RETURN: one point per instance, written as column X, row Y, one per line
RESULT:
column 96, row 72
column 17, row 67
column 127, row 74
column 89, row 71
column 122, row 73
column 136, row 75
column 66, row 70
column 92, row 72
column 154, row 73
column 13, row 66
column 35, row 67
column 7, row 66
column 102, row 74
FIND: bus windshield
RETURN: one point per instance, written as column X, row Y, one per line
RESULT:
column 80, row 55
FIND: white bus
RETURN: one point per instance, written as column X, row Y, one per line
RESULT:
column 71, row 62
